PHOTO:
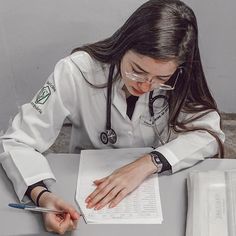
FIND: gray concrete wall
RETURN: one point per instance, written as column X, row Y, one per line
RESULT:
column 34, row 35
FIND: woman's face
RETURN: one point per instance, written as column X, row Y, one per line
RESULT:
column 141, row 74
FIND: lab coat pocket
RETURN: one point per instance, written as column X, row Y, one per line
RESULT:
column 161, row 122
column 148, row 134
column 155, row 128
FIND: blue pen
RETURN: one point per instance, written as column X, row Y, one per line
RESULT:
column 33, row 208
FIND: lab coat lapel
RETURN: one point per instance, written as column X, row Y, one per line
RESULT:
column 140, row 107
column 118, row 97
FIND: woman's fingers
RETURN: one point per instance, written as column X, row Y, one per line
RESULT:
column 122, row 180
column 66, row 225
column 98, row 181
column 109, row 197
column 60, row 223
column 100, row 192
column 114, row 197
column 120, row 196
column 99, row 188
column 68, row 208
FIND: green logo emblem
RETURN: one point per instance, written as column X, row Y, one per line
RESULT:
column 43, row 95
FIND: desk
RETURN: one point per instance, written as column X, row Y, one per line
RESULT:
column 65, row 166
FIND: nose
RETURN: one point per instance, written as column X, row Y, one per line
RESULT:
column 144, row 86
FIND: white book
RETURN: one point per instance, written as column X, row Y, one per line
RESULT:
column 142, row 206
column 211, row 203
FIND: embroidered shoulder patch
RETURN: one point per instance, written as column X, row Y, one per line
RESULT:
column 43, row 95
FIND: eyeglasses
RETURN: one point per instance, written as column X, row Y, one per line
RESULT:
column 155, row 83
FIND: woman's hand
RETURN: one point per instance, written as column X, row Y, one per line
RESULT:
column 113, row 188
column 58, row 223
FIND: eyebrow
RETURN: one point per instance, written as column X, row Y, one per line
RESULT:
column 140, row 68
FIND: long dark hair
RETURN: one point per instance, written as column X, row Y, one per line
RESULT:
column 164, row 30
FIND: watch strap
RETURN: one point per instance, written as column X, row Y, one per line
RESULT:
column 156, row 161
column 165, row 164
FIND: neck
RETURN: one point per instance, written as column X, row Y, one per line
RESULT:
column 127, row 93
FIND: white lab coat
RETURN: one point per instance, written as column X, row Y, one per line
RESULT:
column 67, row 94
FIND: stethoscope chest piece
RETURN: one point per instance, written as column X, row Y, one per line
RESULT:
column 108, row 136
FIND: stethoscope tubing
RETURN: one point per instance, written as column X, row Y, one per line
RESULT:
column 110, row 135
column 109, row 93
column 152, row 100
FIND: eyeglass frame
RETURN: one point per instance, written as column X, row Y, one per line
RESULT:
column 134, row 77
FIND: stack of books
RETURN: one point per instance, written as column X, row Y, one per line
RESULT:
column 211, row 203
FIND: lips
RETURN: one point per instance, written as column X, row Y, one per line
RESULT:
column 138, row 91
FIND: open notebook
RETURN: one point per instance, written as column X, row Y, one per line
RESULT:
column 142, row 206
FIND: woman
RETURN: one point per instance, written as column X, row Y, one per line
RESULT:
column 143, row 86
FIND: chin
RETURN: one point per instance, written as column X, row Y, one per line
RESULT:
column 135, row 92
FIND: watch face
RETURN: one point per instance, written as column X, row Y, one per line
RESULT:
column 156, row 161
column 159, row 167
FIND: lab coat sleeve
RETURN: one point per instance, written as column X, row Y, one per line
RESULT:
column 189, row 148
column 34, row 130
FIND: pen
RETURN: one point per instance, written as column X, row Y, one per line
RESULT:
column 33, row 208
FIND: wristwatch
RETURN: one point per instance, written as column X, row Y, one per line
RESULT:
column 156, row 161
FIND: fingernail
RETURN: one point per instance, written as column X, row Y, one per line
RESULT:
column 111, row 205
column 87, row 199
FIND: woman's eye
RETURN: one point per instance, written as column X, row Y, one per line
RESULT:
column 137, row 72
column 161, row 79
column 164, row 80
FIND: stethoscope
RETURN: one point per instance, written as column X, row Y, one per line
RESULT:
column 164, row 109
column 109, row 135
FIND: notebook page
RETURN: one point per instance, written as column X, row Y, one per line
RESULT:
column 140, row 207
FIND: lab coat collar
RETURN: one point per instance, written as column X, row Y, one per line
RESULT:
column 119, row 101
column 140, row 107
column 118, row 98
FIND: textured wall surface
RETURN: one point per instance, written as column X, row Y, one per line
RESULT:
column 34, row 35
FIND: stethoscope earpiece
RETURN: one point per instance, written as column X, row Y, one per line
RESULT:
column 108, row 136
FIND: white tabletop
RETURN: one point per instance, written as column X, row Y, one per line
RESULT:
column 173, row 190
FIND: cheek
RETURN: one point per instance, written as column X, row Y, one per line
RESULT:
column 129, row 83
